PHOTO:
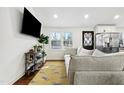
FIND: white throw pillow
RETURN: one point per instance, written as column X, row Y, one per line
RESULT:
column 83, row 52
column 98, row 53
column 79, row 49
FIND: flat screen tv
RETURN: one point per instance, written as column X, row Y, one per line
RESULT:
column 31, row 26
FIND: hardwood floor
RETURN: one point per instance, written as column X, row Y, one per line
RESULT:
column 25, row 79
column 52, row 73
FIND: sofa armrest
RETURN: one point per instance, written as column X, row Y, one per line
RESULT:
column 104, row 63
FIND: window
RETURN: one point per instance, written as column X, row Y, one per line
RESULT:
column 55, row 40
column 108, row 42
column 67, row 39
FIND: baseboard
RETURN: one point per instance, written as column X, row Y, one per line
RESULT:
column 17, row 78
column 54, row 60
column 22, row 74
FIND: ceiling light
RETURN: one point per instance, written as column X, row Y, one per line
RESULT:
column 116, row 16
column 86, row 16
column 55, row 16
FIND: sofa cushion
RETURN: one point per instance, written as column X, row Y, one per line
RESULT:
column 103, row 63
column 70, row 51
column 99, row 78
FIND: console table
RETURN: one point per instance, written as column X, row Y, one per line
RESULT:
column 33, row 61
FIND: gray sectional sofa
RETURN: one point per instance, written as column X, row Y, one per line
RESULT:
column 102, row 70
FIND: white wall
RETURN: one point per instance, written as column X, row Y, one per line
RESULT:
column 13, row 45
column 106, row 28
column 57, row 54
column 120, row 29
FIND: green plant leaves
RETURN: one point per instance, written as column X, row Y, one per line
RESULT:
column 43, row 39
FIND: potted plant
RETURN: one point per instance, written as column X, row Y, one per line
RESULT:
column 43, row 40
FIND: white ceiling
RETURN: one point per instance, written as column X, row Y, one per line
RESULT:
column 74, row 16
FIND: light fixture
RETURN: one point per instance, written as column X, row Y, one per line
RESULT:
column 86, row 16
column 116, row 16
column 55, row 16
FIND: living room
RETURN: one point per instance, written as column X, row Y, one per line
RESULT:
column 64, row 26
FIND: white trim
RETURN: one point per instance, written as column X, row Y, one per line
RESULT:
column 15, row 79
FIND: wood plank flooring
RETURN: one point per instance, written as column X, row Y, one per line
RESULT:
column 25, row 80
column 52, row 73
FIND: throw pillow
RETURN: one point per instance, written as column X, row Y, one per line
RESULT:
column 98, row 53
column 83, row 52
column 79, row 49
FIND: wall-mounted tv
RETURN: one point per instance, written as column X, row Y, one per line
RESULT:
column 30, row 26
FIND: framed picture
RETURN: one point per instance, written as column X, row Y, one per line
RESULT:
column 88, row 39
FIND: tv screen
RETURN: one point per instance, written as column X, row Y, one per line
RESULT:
column 31, row 26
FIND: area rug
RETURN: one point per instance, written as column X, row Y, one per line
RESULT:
column 52, row 73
